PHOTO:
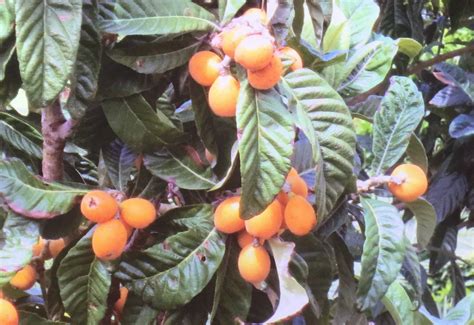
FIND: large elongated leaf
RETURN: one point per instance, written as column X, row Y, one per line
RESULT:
column 399, row 305
column 401, row 111
column 27, row 195
column 84, row 283
column 7, row 21
column 416, row 153
column 17, row 139
column 119, row 161
column 311, row 96
column 228, row 9
column 265, row 148
column 169, row 267
column 17, row 238
column 462, row 126
column 425, row 215
column 138, row 125
column 384, row 249
column 7, row 48
column 47, row 35
column 135, row 312
column 143, row 17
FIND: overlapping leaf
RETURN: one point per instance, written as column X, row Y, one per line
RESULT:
column 425, row 215
column 228, row 9
column 14, row 135
column 398, row 304
column 135, row 312
column 119, row 161
column 416, row 153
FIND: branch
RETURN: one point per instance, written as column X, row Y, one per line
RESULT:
column 414, row 69
column 376, row 181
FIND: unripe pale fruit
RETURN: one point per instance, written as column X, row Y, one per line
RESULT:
column 8, row 313
column 291, row 53
column 120, row 303
column 300, row 217
column 244, row 239
column 137, row 212
column 267, row 77
column 267, row 223
column 25, row 278
column 109, row 240
column 232, row 38
column 56, row 246
column 227, row 216
column 98, row 206
column 254, row 52
column 204, row 67
column 223, row 96
column 254, row 263
column 414, row 182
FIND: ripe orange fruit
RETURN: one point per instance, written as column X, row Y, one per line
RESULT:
column 244, row 239
column 297, row 186
column 267, row 77
column 232, row 38
column 254, row 52
column 25, row 278
column 414, row 182
column 204, row 67
column 56, row 246
column 254, row 263
column 227, row 216
column 267, row 223
column 98, row 206
column 223, row 96
column 256, row 14
column 292, row 172
column 109, row 240
column 300, row 217
column 128, row 228
column 38, row 247
column 291, row 53
column 120, row 303
column 8, row 313
column 137, row 212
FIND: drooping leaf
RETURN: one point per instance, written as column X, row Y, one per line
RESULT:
column 138, row 125
column 228, row 9
column 425, row 216
column 47, row 34
column 7, row 48
column 17, row 238
column 414, row 272
column 194, row 254
column 452, row 75
column 293, row 296
column 367, row 109
column 281, row 19
column 398, row 304
column 142, row 17
column 457, row 280
column 265, row 136
column 180, row 167
column 136, row 312
column 401, row 111
column 29, row 318
column 383, row 252
column 462, row 126
column 119, row 162
column 84, row 283
column 27, row 195
column 444, row 242
column 9, row 86
column 450, row 96
column 333, row 130
column 6, row 22
column 15, row 137
column 416, row 153
column 317, row 19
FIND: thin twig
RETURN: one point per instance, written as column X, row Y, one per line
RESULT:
column 376, row 181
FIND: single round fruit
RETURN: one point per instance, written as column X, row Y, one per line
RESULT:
column 56, row 246
column 223, row 96
column 267, row 223
column 25, row 278
column 300, row 217
column 227, row 216
column 38, row 247
column 231, row 39
column 254, row 52
column 292, row 54
column 98, row 206
column 120, row 303
column 297, row 186
column 254, row 263
column 109, row 240
column 244, row 239
column 267, row 77
column 204, row 67
column 256, row 14
column 137, row 212
column 414, row 182
column 8, row 313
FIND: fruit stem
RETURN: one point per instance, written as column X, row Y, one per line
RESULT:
column 224, row 66
column 376, row 181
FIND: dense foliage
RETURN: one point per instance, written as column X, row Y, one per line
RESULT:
column 98, row 95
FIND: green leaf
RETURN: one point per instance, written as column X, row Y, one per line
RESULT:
column 265, row 145
column 293, row 296
column 17, row 139
column 7, row 50
column 85, row 77
column 28, row 195
column 333, row 132
column 399, row 305
column 416, row 153
column 63, row 225
column 119, row 162
column 313, row 22
column 384, row 249
column 29, row 318
column 10, row 85
column 425, row 215
column 400, row 112
column 84, row 283
column 142, row 17
column 7, row 21
column 167, row 267
column 138, row 125
column 462, row 313
column 157, row 58
column 136, row 312
column 47, row 34
column 408, row 46
column 228, row 9
column 17, row 238
column 281, row 19
column 179, row 166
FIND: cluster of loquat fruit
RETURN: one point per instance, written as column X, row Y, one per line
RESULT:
column 290, row 210
column 247, row 41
